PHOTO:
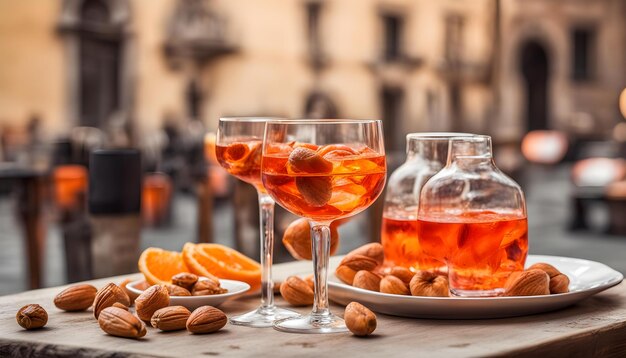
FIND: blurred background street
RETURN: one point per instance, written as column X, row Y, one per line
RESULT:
column 546, row 79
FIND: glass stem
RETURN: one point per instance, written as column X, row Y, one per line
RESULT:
column 266, row 212
column 320, row 242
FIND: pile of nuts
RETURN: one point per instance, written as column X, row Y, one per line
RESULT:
column 111, row 307
column 361, row 268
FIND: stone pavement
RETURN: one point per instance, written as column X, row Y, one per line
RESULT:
column 548, row 207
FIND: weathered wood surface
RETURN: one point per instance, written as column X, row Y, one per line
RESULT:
column 594, row 327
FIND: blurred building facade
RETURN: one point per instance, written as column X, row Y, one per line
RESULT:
column 496, row 66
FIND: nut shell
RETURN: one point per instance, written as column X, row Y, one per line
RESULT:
column 359, row 319
column 345, row 274
column 150, row 300
column 175, row 290
column 207, row 288
column 367, row 281
column 121, row 323
column 359, row 262
column 76, row 298
column 373, row 250
column 107, row 296
column 559, row 284
column 316, row 191
column 32, row 316
column 185, row 280
column 306, row 160
column 547, row 268
column 296, row 291
column 528, row 283
column 297, row 239
column 402, row 273
column 206, row 319
column 131, row 295
column 429, row 284
column 393, row 285
column 170, row 318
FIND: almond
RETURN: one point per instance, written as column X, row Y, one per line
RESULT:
column 367, row 281
column 297, row 239
column 345, row 274
column 107, row 296
column 76, row 298
column 207, row 288
column 206, row 319
column 119, row 305
column 170, row 318
column 297, row 291
column 152, row 299
column 359, row 262
column 359, row 319
column 547, row 268
column 32, row 316
column 305, row 160
column 131, row 295
column 373, row 250
column 316, row 191
column 429, row 284
column 185, row 280
column 310, row 280
column 528, row 283
column 559, row 284
column 174, row 290
column 121, row 323
column 393, row 285
column 402, row 273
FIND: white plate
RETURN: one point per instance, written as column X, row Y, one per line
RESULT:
column 235, row 288
column 586, row 278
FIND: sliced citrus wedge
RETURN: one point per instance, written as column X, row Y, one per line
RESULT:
column 222, row 262
column 158, row 265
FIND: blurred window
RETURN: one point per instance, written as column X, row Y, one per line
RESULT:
column 393, row 37
column 313, row 9
column 454, row 37
column 582, row 42
column 100, row 57
column 392, row 98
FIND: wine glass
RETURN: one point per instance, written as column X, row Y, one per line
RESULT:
column 322, row 170
column 238, row 149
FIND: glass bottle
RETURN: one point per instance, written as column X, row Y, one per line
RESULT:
column 426, row 154
column 473, row 217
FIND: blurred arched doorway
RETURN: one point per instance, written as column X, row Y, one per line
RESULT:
column 535, row 68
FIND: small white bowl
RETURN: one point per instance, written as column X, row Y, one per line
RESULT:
column 235, row 288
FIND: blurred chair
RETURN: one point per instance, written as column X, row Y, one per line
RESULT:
column 616, row 198
column 544, row 146
column 591, row 177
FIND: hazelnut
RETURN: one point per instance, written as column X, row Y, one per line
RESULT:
column 429, row 284
column 297, row 291
column 359, row 319
column 297, row 239
column 367, row 281
column 393, row 285
column 32, row 316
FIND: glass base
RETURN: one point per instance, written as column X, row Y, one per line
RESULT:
column 477, row 293
column 262, row 317
column 312, row 324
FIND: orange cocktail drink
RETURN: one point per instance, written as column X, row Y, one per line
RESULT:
column 323, row 183
column 481, row 249
column 401, row 245
column 242, row 159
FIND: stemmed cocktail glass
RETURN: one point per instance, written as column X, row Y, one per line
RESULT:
column 322, row 170
column 238, row 149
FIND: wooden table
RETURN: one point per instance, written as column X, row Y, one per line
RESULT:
column 594, row 327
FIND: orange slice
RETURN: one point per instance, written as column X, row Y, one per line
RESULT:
column 158, row 265
column 222, row 262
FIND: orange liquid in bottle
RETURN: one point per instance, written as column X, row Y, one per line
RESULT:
column 353, row 178
column 401, row 246
column 481, row 249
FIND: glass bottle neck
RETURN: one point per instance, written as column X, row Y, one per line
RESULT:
column 470, row 151
column 430, row 149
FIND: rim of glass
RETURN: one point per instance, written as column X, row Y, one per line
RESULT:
column 250, row 119
column 472, row 138
column 324, row 121
column 439, row 135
